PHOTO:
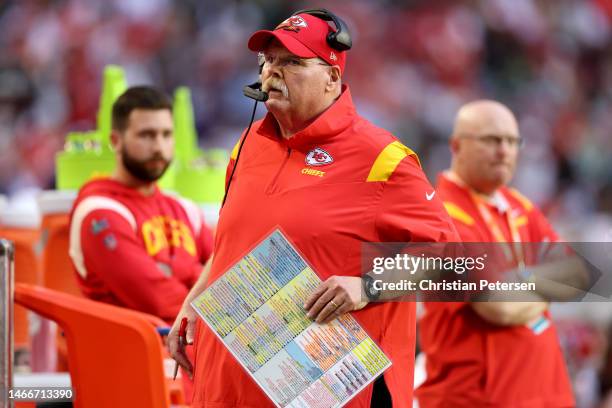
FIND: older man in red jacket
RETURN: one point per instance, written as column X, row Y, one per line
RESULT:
column 332, row 181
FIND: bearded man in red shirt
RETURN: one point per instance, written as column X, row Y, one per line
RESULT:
column 131, row 244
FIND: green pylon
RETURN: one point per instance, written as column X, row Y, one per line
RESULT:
column 113, row 85
column 185, row 135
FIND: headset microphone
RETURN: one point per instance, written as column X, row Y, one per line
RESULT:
column 254, row 91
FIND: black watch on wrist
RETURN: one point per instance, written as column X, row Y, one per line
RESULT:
column 368, row 287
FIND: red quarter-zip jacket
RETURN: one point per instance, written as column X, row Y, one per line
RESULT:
column 336, row 184
column 472, row 363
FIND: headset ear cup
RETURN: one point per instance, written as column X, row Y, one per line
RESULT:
column 331, row 39
column 340, row 39
column 343, row 43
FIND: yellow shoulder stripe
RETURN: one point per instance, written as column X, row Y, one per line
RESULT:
column 457, row 213
column 388, row 160
column 235, row 150
column 520, row 221
column 527, row 205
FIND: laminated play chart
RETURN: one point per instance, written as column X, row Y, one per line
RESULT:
column 256, row 309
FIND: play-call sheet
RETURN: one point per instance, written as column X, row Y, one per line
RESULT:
column 257, row 310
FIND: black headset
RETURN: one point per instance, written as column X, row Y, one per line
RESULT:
column 339, row 40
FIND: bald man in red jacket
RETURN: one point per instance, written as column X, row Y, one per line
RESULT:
column 493, row 354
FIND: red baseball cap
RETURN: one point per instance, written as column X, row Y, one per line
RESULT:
column 303, row 35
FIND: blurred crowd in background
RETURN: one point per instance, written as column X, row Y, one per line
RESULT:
column 413, row 64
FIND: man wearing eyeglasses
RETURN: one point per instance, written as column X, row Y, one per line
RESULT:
column 332, row 181
column 494, row 354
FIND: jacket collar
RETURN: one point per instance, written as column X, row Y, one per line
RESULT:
column 329, row 124
column 497, row 201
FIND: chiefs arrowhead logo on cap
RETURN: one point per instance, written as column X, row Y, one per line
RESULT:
column 318, row 157
column 293, row 23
